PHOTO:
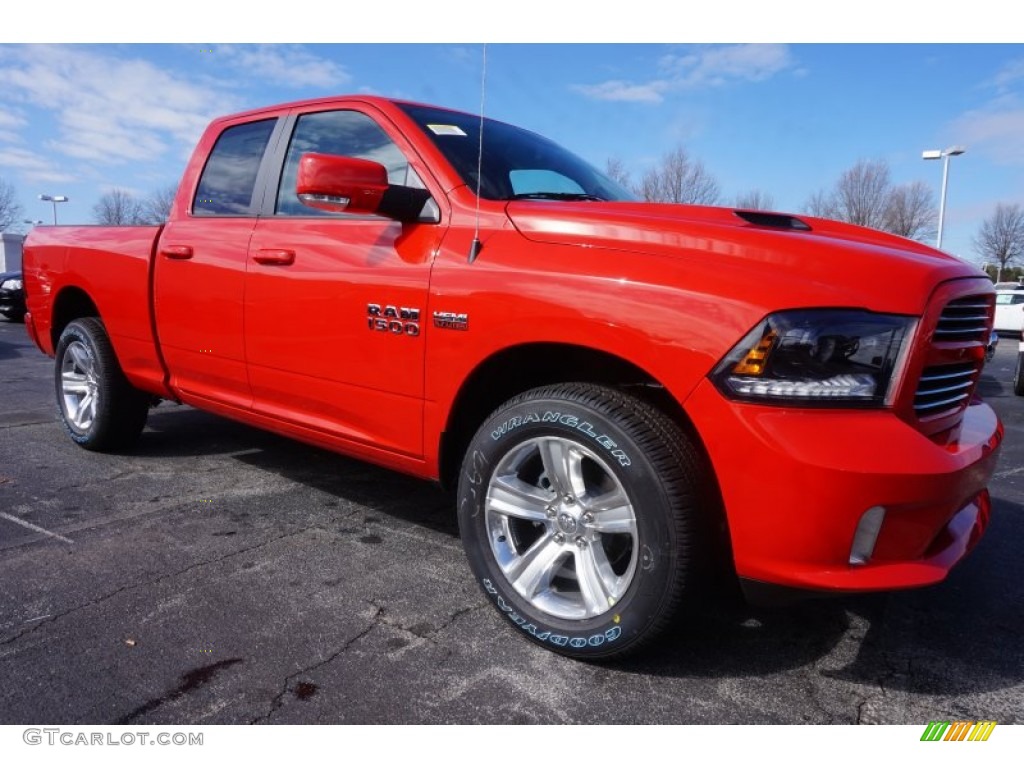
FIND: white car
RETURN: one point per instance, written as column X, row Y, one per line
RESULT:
column 1010, row 311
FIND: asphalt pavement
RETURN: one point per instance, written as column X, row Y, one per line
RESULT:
column 220, row 574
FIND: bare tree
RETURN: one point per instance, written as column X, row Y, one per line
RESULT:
column 679, row 179
column 10, row 208
column 910, row 211
column 118, row 207
column 157, row 207
column 820, row 204
column 615, row 170
column 1001, row 237
column 755, row 200
column 862, row 194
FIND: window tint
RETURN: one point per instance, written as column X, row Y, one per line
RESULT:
column 525, row 182
column 229, row 178
column 514, row 162
column 346, row 133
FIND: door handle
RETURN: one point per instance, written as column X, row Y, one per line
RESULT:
column 176, row 251
column 278, row 256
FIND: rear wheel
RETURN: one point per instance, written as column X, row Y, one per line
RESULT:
column 100, row 410
column 579, row 513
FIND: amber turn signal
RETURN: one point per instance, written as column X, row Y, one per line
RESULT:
column 753, row 363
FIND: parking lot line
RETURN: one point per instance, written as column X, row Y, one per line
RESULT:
column 36, row 528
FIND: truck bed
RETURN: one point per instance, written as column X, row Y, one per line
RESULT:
column 109, row 267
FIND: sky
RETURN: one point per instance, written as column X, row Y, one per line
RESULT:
column 80, row 118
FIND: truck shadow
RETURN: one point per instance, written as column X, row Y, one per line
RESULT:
column 187, row 432
column 955, row 638
column 10, row 351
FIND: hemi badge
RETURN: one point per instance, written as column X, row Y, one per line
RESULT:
column 453, row 321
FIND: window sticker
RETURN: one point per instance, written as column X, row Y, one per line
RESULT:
column 446, row 130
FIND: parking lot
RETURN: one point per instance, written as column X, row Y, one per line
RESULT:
column 221, row 574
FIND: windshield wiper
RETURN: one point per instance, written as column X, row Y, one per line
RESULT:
column 555, row 196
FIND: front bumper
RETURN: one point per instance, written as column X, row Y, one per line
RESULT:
column 12, row 301
column 796, row 483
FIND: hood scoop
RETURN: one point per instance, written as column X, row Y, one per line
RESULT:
column 774, row 220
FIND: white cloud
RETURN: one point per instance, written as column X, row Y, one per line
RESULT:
column 10, row 119
column 996, row 130
column 721, row 64
column 32, row 166
column 699, row 67
column 621, row 90
column 1011, row 72
column 291, row 65
column 109, row 109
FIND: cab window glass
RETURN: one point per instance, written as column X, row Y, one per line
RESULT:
column 346, row 133
column 527, row 182
column 229, row 178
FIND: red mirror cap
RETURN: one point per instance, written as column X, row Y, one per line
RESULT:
column 336, row 183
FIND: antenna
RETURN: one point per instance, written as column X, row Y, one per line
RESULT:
column 476, row 246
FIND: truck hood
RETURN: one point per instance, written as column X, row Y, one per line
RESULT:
column 832, row 262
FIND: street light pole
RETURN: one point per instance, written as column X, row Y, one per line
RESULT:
column 945, row 154
column 54, row 199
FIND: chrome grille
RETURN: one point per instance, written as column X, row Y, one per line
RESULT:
column 965, row 319
column 944, row 388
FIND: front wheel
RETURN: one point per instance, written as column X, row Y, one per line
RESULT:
column 579, row 513
column 100, row 410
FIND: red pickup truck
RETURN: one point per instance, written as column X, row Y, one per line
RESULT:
column 625, row 395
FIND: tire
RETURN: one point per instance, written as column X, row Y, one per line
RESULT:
column 14, row 317
column 100, row 410
column 1018, row 376
column 580, row 516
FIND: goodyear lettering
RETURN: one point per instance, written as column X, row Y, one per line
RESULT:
column 579, row 641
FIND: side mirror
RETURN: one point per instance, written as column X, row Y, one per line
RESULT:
column 340, row 184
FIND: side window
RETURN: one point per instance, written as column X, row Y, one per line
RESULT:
column 346, row 133
column 229, row 178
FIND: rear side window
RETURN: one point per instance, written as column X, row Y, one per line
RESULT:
column 229, row 178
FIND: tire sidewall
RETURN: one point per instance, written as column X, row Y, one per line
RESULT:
column 606, row 435
column 77, row 331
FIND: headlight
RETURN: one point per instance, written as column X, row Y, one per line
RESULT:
column 12, row 285
column 816, row 357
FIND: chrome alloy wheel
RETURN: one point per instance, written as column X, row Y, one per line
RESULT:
column 79, row 386
column 561, row 528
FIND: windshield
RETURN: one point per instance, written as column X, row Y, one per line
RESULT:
column 517, row 164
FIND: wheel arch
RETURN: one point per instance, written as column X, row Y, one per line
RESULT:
column 516, row 369
column 70, row 304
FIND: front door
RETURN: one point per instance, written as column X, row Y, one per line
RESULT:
column 335, row 304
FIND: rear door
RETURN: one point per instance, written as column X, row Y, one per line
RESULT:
column 200, row 269
column 335, row 304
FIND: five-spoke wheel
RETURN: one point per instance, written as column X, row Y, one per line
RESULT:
column 100, row 409
column 561, row 527
column 579, row 511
